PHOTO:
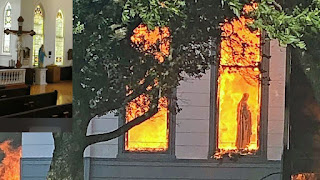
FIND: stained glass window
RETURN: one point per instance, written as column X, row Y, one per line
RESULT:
column 59, row 39
column 7, row 25
column 39, row 37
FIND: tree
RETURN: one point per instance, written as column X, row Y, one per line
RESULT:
column 109, row 72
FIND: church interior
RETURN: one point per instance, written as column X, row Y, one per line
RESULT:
column 36, row 59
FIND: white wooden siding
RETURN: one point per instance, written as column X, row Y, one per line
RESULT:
column 100, row 125
column 192, row 123
column 276, row 101
column 37, row 145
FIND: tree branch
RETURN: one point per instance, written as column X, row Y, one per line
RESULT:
column 96, row 138
column 276, row 5
column 149, row 81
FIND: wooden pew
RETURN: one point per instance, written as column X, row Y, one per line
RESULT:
column 27, row 103
column 16, row 92
column 58, row 111
column 36, row 125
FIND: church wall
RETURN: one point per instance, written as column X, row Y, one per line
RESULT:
column 99, row 125
column 37, row 145
column 50, row 9
column 191, row 137
column 192, row 123
column 15, row 5
column 276, row 108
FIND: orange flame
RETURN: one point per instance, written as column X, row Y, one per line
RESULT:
column 238, row 74
column 151, row 135
column 304, row 176
column 155, row 42
column 10, row 165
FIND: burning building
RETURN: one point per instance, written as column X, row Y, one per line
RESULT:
column 232, row 124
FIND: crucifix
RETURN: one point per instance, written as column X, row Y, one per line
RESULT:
column 19, row 33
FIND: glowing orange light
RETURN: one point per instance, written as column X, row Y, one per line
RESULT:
column 238, row 74
column 155, row 42
column 151, row 135
column 304, row 176
column 10, row 165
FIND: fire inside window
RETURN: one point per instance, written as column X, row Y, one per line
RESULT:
column 239, row 89
column 304, row 176
column 153, row 134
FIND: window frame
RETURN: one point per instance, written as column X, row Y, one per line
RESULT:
column 43, row 36
column 4, row 27
column 57, row 37
column 261, row 154
column 159, row 156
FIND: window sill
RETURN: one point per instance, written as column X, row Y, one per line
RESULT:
column 146, row 156
column 6, row 55
column 185, row 163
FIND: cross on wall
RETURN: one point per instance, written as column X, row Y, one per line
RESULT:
column 19, row 33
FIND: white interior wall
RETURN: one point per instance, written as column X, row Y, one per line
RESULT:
column 15, row 5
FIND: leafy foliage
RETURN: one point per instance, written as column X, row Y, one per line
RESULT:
column 104, row 52
column 153, row 12
column 284, row 22
column 310, row 63
column 107, row 63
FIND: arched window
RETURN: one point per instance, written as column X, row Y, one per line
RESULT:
column 7, row 25
column 59, row 39
column 39, row 37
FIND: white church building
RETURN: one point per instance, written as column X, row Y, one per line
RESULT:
column 191, row 138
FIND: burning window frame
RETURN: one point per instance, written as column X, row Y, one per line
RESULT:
column 167, row 154
column 146, row 41
column 261, row 153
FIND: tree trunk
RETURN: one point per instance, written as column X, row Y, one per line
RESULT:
column 67, row 162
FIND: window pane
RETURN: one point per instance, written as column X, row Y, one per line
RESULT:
column 38, row 38
column 7, row 25
column 151, row 135
column 59, row 49
column 239, row 89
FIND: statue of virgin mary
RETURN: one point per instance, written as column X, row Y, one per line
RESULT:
column 244, row 123
column 41, row 56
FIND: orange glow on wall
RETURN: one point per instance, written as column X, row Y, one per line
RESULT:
column 152, row 134
column 239, row 74
column 10, row 165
